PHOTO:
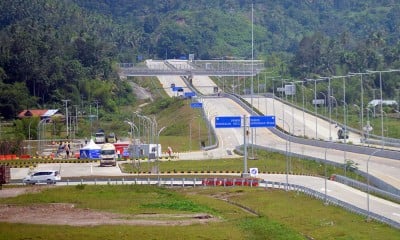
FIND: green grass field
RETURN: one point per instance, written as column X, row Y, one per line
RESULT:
column 266, row 162
column 273, row 214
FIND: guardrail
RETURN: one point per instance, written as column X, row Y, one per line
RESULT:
column 337, row 202
column 393, row 194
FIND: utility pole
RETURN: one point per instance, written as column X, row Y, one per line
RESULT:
column 66, row 114
column 97, row 109
column 76, row 117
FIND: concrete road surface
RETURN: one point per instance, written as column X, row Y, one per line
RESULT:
column 298, row 122
column 203, row 84
column 166, row 81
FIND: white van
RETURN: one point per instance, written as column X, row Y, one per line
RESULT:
column 100, row 137
column 46, row 176
column 108, row 155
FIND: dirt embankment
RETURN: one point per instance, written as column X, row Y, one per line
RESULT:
column 68, row 214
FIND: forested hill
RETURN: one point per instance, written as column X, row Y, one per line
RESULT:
column 67, row 49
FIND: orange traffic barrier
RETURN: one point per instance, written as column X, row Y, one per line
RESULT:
column 25, row 156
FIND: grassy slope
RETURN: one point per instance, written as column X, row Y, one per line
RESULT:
column 281, row 215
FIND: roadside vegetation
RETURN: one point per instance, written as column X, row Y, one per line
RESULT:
column 266, row 162
column 242, row 213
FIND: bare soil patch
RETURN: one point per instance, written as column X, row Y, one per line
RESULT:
column 68, row 214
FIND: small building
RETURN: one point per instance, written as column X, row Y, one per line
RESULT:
column 145, row 150
column 41, row 113
column 377, row 102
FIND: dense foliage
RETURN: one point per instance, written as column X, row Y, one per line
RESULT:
column 54, row 50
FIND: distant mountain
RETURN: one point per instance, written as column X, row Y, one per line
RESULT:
column 52, row 50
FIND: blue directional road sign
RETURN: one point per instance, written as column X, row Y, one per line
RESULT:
column 228, row 122
column 262, row 121
column 196, row 105
column 190, row 94
column 177, row 89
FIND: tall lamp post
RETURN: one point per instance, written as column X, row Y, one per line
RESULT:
column 336, row 104
column 304, row 121
column 369, row 158
column 362, row 99
column 368, row 127
column 398, row 102
column 325, row 179
column 345, row 135
column 190, row 133
column 330, row 109
column 325, row 100
column 315, row 106
column 387, row 133
column 66, row 113
column 287, row 149
column 361, row 122
column 132, row 126
column 29, row 137
column 381, row 100
column 157, row 159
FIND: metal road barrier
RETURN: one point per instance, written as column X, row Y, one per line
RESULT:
column 337, row 202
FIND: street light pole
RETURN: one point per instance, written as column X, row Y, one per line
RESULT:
column 324, row 100
column 398, row 102
column 330, row 109
column 345, row 134
column 387, row 133
column 304, row 122
column 245, row 131
column 29, row 137
column 190, row 133
column 66, row 113
column 372, row 154
column 158, row 142
column 315, row 106
column 361, row 123
column 381, row 92
column 97, row 110
column 325, row 178
column 368, row 126
column 287, row 154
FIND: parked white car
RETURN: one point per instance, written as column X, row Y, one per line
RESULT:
column 47, row 176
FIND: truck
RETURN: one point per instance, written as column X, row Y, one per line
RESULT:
column 111, row 138
column 5, row 175
column 100, row 137
column 108, row 155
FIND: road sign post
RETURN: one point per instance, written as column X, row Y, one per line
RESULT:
column 228, row 122
column 196, row 105
column 236, row 122
column 262, row 121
